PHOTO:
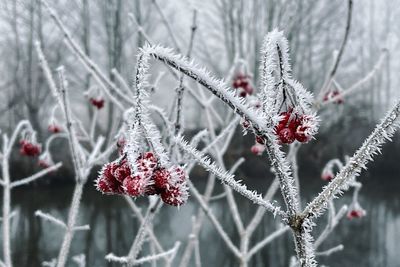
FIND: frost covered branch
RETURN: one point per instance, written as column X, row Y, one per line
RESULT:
column 371, row 146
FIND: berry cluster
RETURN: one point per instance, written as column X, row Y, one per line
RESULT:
column 243, row 84
column 150, row 179
column 333, row 94
column 293, row 127
column 97, row 102
column 29, row 148
column 356, row 213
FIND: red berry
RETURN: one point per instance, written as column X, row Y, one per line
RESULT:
column 98, row 103
column 242, row 93
column 355, row 213
column 301, row 134
column 179, row 173
column 147, row 163
column 260, row 139
column 257, row 149
column 286, row 136
column 236, row 83
column 175, row 196
column 121, row 171
column 249, row 89
column 44, row 164
column 245, row 124
column 53, row 128
column 161, row 179
column 135, row 186
column 29, row 149
column 327, row 176
column 107, row 183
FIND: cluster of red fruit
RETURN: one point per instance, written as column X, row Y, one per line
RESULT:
column 293, row 127
column 243, row 84
column 98, row 103
column 151, row 179
column 333, row 94
column 356, row 213
column 29, row 149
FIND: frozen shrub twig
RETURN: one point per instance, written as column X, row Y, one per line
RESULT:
column 170, row 254
column 371, row 146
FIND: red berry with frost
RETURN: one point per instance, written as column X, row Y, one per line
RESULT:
column 327, row 176
column 106, row 182
column 286, row 136
column 355, row 214
column 302, row 135
column 179, row 173
column 121, row 170
column 161, row 178
column 249, row 89
column 147, row 163
column 260, row 139
column 29, row 149
column 108, row 186
column 135, row 186
column 257, row 149
column 245, row 124
column 44, row 164
column 236, row 83
column 242, row 93
column 175, row 196
column 54, row 128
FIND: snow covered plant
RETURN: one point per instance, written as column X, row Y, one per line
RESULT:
column 284, row 117
column 156, row 163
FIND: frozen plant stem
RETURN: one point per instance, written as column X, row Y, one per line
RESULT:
column 6, row 205
column 371, row 146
